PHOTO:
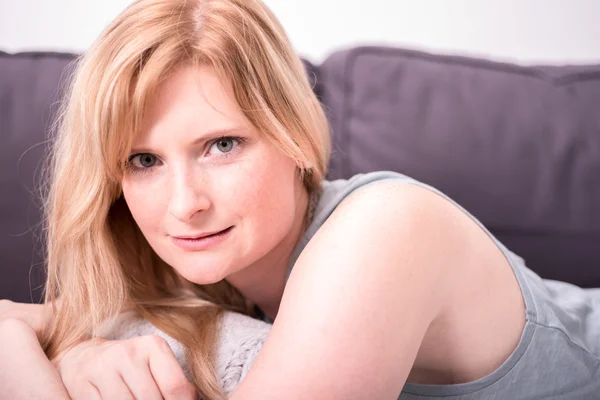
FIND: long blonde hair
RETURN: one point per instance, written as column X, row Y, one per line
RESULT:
column 99, row 263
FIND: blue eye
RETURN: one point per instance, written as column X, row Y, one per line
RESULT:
column 225, row 144
column 142, row 161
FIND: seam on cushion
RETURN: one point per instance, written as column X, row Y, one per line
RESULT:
column 577, row 78
column 39, row 54
column 479, row 63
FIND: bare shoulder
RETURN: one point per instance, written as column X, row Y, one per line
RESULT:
column 399, row 217
column 380, row 227
column 412, row 203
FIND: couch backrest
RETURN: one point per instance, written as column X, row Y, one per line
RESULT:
column 29, row 85
column 519, row 147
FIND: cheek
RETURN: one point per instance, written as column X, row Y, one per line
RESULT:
column 268, row 193
column 144, row 203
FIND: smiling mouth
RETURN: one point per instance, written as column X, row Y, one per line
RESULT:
column 200, row 243
column 198, row 238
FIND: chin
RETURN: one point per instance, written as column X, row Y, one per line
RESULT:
column 202, row 272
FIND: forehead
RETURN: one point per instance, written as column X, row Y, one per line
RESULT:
column 192, row 99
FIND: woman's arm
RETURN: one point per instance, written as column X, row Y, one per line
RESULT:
column 34, row 315
column 360, row 299
column 25, row 371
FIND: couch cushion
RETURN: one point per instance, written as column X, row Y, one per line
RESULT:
column 519, row 147
column 28, row 89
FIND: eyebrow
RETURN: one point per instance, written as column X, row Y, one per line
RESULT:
column 220, row 133
column 234, row 131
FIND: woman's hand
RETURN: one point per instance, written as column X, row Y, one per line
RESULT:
column 143, row 368
column 34, row 315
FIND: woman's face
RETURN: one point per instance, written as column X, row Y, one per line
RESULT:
column 199, row 168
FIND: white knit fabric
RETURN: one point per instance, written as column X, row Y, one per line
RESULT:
column 240, row 339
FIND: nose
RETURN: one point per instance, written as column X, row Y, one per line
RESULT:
column 188, row 195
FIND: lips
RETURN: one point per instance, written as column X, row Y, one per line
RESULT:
column 202, row 235
column 201, row 242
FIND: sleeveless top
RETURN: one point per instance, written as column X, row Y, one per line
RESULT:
column 558, row 356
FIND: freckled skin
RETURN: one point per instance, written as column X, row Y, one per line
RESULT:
column 197, row 185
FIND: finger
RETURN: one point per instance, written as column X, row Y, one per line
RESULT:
column 168, row 374
column 85, row 391
column 111, row 385
column 140, row 381
column 92, row 393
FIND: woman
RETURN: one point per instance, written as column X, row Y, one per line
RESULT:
column 189, row 179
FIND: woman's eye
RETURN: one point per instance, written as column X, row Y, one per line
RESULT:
column 143, row 161
column 224, row 144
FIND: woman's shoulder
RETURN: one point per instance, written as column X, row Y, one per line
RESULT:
column 343, row 193
column 386, row 189
column 394, row 201
column 336, row 192
column 373, row 201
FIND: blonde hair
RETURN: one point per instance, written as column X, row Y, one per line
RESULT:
column 99, row 263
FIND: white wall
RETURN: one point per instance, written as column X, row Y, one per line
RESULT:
column 526, row 31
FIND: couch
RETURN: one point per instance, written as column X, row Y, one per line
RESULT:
column 517, row 146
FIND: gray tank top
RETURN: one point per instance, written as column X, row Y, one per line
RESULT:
column 558, row 356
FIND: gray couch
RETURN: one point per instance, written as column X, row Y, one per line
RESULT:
column 517, row 146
